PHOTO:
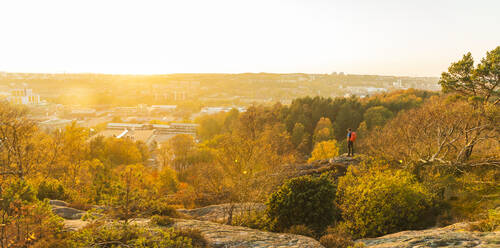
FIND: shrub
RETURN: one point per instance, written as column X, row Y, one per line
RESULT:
column 119, row 235
column 490, row 224
column 197, row 238
column 162, row 220
column 335, row 240
column 378, row 202
column 300, row 230
column 79, row 202
column 161, row 208
column 357, row 245
column 302, row 201
column 324, row 150
column 51, row 189
column 254, row 220
column 336, row 237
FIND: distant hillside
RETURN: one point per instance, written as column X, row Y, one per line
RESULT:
column 214, row 89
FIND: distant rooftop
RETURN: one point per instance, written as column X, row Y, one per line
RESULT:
column 55, row 121
column 126, row 125
column 184, row 124
column 164, row 106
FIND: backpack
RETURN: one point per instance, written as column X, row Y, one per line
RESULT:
column 353, row 136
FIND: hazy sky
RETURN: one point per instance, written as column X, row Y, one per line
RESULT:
column 388, row 37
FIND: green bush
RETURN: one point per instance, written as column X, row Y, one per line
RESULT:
column 378, row 202
column 196, row 237
column 51, row 190
column 490, row 224
column 119, row 235
column 302, row 201
column 357, row 245
column 254, row 220
column 162, row 220
column 300, row 230
column 335, row 240
column 160, row 208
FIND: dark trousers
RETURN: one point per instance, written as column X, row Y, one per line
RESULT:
column 350, row 148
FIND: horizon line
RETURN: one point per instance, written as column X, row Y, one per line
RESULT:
column 208, row 73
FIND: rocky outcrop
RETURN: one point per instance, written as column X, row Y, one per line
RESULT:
column 337, row 165
column 61, row 209
column 68, row 213
column 224, row 236
column 220, row 213
column 58, row 203
column 450, row 236
column 219, row 235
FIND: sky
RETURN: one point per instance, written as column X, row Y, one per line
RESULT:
column 383, row 37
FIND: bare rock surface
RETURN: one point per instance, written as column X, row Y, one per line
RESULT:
column 58, row 203
column 220, row 213
column 68, row 213
column 450, row 236
column 220, row 236
column 75, row 225
column 338, row 165
column 61, row 209
column 224, row 236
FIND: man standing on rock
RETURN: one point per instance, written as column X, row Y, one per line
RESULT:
column 351, row 137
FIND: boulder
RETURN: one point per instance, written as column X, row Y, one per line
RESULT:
column 222, row 236
column 337, row 165
column 450, row 236
column 219, row 235
column 58, row 203
column 68, row 213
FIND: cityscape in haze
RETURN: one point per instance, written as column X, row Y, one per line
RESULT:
column 259, row 124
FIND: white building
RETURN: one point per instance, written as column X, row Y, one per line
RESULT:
column 163, row 108
column 214, row 110
column 23, row 96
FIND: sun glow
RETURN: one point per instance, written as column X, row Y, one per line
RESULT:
column 366, row 37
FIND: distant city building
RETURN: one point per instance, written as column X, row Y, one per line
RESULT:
column 54, row 124
column 83, row 112
column 129, row 126
column 172, row 128
column 23, row 96
column 363, row 90
column 186, row 128
column 159, row 132
column 146, row 136
column 398, row 84
column 214, row 110
column 163, row 108
column 171, row 95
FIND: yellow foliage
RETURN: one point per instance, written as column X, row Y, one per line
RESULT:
column 324, row 150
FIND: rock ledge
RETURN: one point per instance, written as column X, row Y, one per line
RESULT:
column 450, row 236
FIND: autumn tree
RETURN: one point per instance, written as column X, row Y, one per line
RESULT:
column 19, row 150
column 324, row 150
column 433, row 133
column 298, row 134
column 248, row 156
column 177, row 152
column 323, row 130
column 131, row 192
column 23, row 149
column 350, row 115
column 74, row 150
column 480, row 85
column 377, row 116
